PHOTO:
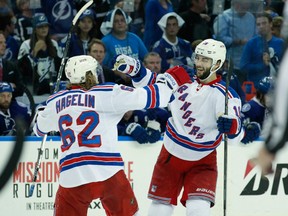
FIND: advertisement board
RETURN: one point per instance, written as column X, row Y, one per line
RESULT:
column 248, row 194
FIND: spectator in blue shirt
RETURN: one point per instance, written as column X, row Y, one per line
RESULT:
column 262, row 53
column 118, row 40
column 234, row 27
column 154, row 10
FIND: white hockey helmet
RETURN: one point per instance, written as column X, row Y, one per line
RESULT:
column 213, row 49
column 77, row 66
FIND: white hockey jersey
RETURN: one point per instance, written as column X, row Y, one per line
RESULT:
column 191, row 132
column 87, row 122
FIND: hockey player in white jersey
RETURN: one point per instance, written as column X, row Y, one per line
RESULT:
column 86, row 115
column 188, row 156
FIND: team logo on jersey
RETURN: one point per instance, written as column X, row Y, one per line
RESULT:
column 154, row 188
column 246, row 107
column 132, row 201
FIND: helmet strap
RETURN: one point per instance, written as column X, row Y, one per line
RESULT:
column 211, row 72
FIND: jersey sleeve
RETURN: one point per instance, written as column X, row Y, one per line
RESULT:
column 46, row 121
column 125, row 98
column 144, row 77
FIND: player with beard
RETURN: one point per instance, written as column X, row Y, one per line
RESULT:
column 188, row 159
column 10, row 110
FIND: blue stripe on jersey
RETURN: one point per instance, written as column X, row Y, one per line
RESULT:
column 99, row 154
column 84, row 163
column 222, row 88
column 90, row 158
column 141, row 74
column 187, row 143
column 152, row 78
column 153, row 96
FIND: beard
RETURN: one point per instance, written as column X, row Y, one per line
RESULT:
column 204, row 75
column 5, row 106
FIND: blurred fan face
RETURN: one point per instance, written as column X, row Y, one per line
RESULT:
column 86, row 24
column 172, row 27
column 5, row 100
column 119, row 24
column 42, row 31
column 264, row 27
column 153, row 63
column 97, row 51
column 2, row 45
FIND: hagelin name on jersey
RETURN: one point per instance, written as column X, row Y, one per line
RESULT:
column 85, row 100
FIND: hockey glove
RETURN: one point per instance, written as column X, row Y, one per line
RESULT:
column 227, row 124
column 151, row 114
column 174, row 77
column 153, row 130
column 137, row 132
column 252, row 132
column 126, row 64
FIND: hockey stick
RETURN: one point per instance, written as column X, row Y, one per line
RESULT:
column 228, row 77
column 15, row 155
column 59, row 76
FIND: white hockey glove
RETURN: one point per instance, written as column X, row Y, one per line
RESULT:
column 174, row 77
column 168, row 80
column 127, row 65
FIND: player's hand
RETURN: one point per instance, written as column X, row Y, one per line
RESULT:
column 265, row 160
column 126, row 64
column 174, row 77
column 252, row 132
column 38, row 109
column 137, row 132
column 153, row 130
column 227, row 124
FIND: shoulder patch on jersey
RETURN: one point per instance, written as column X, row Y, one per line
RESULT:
column 246, row 107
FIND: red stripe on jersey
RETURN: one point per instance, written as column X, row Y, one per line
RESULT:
column 103, row 87
column 90, row 158
column 153, row 96
column 224, row 89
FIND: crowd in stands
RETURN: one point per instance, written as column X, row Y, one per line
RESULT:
column 160, row 33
